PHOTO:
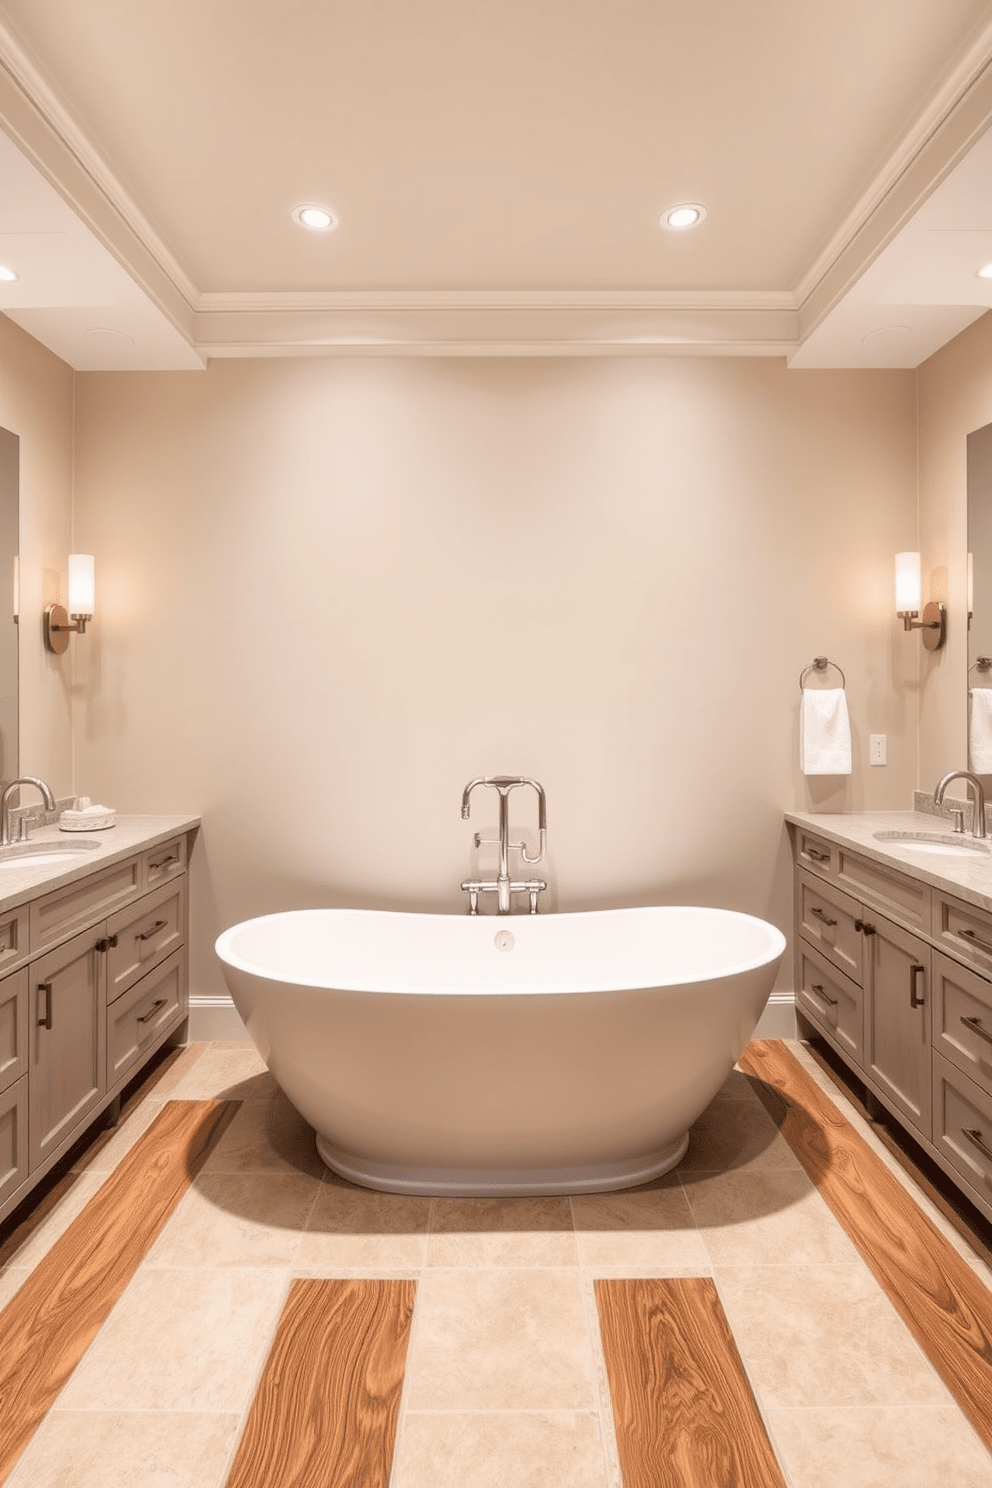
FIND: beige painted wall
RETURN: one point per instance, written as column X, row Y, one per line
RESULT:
column 36, row 403
column 330, row 592
column 955, row 397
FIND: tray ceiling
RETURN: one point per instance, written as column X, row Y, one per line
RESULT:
column 498, row 172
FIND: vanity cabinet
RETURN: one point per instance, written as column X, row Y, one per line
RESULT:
column 896, row 974
column 93, row 979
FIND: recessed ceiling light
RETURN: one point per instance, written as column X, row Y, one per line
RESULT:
column 894, row 332
column 317, row 219
column 685, row 214
column 7, row 275
column 985, row 273
column 107, row 336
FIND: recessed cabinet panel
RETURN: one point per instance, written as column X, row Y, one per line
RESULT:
column 136, row 1019
column 14, row 939
column 68, row 1041
column 143, row 934
column 829, row 919
column 64, row 913
column 962, row 1018
column 962, row 1127
column 13, row 1027
column 898, row 1031
column 906, row 899
column 167, row 860
column 963, row 930
column 833, row 1001
column 13, row 1139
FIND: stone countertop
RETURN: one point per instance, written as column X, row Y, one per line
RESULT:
column 968, row 878
column 20, row 882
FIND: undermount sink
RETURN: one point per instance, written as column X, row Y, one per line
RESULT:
column 938, row 843
column 41, row 854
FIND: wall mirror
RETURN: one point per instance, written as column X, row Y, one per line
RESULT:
column 9, row 523
column 980, row 598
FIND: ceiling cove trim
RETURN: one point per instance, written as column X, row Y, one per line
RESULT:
column 38, row 121
column 951, row 121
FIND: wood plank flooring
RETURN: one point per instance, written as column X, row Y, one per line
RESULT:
column 938, row 1296
column 684, row 1411
column 51, row 1321
column 325, row 1412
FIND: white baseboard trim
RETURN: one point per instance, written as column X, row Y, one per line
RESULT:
column 217, row 1018
column 778, row 1021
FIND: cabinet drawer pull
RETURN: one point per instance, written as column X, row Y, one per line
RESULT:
column 916, row 998
column 975, row 1138
column 817, row 987
column 152, row 1010
column 822, row 915
column 975, row 939
column 817, row 856
column 976, row 1027
column 107, row 943
column 147, row 934
column 46, row 1021
column 163, row 863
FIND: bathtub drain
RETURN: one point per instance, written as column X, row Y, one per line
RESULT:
column 503, row 940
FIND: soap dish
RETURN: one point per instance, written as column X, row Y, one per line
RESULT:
column 92, row 819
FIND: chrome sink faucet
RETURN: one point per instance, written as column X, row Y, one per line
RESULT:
column 5, row 805
column 503, row 886
column 976, row 791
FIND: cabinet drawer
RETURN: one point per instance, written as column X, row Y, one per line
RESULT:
column 138, row 1018
column 67, row 911
column 14, row 938
column 963, row 929
column 13, row 1139
column 142, row 935
column 815, row 852
column 833, row 1001
column 900, row 897
column 962, row 1126
column 13, row 1028
column 828, row 919
column 962, row 1018
column 163, row 862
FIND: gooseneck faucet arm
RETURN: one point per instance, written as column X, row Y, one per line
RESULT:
column 977, row 791
column 47, row 796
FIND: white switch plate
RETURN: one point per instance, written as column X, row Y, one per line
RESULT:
column 876, row 749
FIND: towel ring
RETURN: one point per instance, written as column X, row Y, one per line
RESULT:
column 820, row 664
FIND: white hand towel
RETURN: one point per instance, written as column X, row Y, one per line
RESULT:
column 824, row 732
column 981, row 730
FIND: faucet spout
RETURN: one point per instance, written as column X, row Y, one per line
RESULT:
column 40, row 785
column 504, row 886
column 976, row 790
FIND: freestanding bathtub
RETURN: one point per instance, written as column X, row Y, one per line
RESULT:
column 484, row 1055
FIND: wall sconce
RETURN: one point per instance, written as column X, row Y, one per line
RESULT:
column 82, row 592
column 908, row 603
column 971, row 587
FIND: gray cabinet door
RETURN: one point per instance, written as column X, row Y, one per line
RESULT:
column 68, row 1041
column 898, row 990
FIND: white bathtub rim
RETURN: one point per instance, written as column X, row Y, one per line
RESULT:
column 499, row 1183
column 774, row 948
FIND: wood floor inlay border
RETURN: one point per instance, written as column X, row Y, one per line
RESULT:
column 53, row 1318
column 325, row 1412
column 943, row 1303
column 684, row 1410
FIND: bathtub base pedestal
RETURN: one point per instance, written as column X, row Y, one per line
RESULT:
column 494, row 1183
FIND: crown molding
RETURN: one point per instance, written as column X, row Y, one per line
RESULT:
column 38, row 121
column 497, row 323
column 953, row 118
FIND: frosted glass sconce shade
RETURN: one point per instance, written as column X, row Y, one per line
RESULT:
column 908, row 598
column 82, row 588
column 82, row 600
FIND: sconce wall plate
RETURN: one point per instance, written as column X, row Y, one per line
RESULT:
column 58, row 629
column 934, row 625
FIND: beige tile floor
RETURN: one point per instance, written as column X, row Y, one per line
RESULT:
column 505, row 1381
